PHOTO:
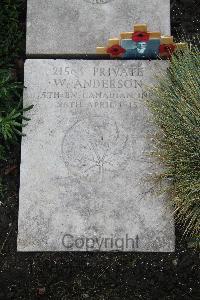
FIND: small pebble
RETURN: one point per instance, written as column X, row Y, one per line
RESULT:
column 175, row 262
column 41, row 291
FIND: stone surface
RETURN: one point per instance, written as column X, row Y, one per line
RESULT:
column 85, row 168
column 79, row 26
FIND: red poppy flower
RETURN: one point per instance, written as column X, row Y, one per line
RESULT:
column 140, row 36
column 116, row 50
column 167, row 50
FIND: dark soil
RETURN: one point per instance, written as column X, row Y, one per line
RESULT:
column 115, row 276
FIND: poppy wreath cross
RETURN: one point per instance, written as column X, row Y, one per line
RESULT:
column 141, row 44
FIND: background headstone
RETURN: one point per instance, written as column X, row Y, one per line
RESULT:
column 85, row 169
column 79, row 26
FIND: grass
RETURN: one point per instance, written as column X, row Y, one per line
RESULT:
column 175, row 105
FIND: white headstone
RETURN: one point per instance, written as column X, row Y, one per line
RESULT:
column 79, row 26
column 85, row 167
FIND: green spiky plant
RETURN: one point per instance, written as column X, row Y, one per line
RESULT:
column 11, row 113
column 175, row 106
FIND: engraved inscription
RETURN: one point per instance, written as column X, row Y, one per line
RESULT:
column 104, row 88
